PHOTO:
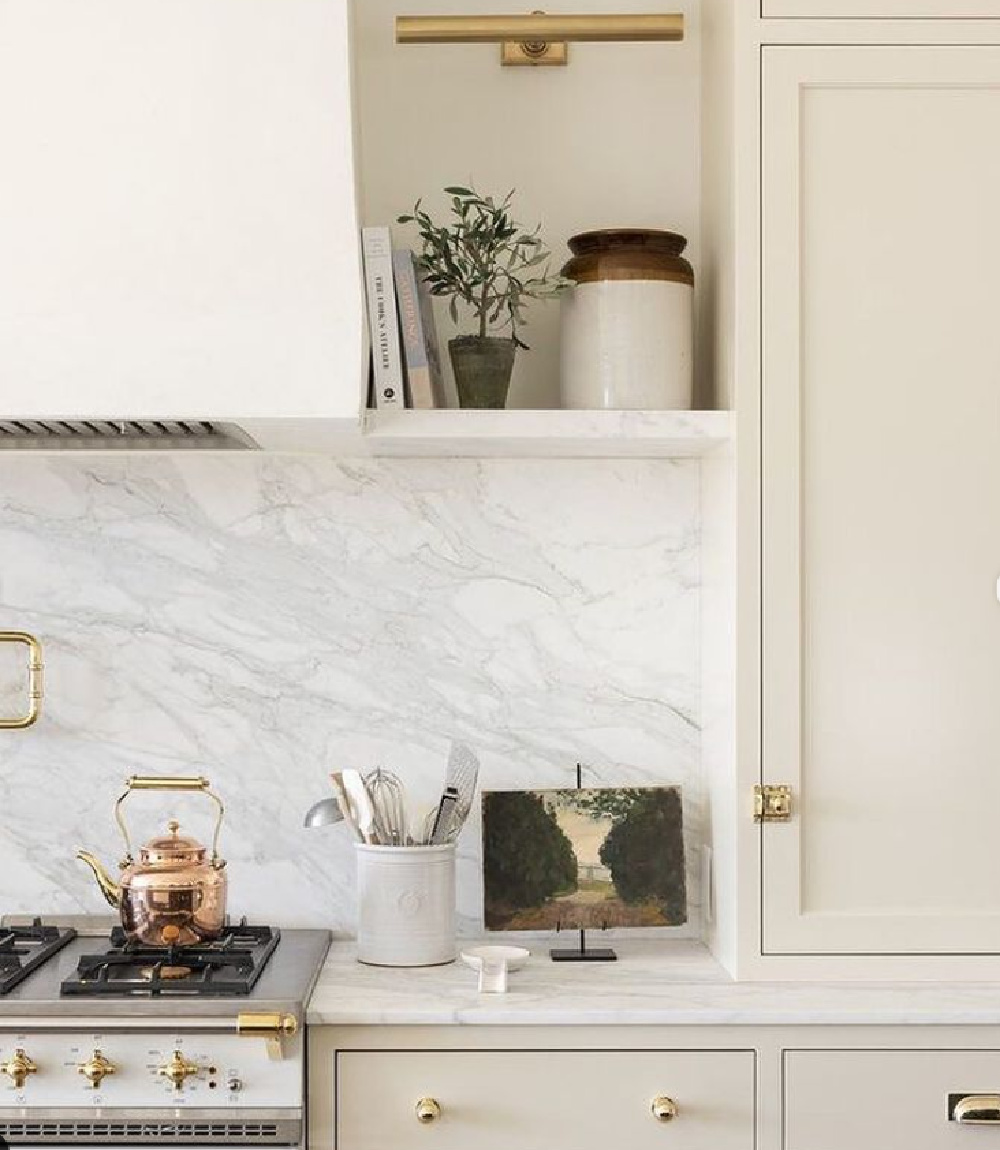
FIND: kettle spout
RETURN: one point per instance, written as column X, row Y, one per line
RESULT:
column 111, row 890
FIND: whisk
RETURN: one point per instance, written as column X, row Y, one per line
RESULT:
column 388, row 798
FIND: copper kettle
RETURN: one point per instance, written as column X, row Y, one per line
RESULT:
column 174, row 895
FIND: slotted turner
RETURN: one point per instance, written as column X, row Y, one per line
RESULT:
column 463, row 775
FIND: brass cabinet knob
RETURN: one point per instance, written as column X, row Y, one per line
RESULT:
column 18, row 1067
column 428, row 1110
column 97, row 1068
column 664, row 1108
column 178, row 1069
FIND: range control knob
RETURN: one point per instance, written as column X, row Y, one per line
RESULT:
column 18, row 1067
column 234, row 1085
column 178, row 1070
column 97, row 1068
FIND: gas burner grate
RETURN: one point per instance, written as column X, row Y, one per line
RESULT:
column 24, row 949
column 228, row 966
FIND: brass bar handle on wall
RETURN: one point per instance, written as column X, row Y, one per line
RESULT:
column 36, row 670
column 976, row 1109
column 168, row 783
column 537, row 27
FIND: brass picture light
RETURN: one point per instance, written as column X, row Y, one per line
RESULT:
column 539, row 38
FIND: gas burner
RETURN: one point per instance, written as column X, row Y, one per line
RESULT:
column 24, row 949
column 230, row 965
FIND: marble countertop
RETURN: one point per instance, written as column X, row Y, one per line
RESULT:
column 652, row 983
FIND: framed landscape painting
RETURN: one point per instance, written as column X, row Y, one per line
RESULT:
column 588, row 859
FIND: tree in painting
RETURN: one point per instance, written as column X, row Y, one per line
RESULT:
column 525, row 852
column 644, row 851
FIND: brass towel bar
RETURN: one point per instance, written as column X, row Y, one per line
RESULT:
column 35, row 671
column 537, row 38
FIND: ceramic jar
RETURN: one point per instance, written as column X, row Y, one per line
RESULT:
column 406, row 905
column 627, row 324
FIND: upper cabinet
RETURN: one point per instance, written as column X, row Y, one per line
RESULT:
column 881, row 498
column 883, row 9
column 178, row 222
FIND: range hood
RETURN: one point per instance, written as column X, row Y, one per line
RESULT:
column 179, row 227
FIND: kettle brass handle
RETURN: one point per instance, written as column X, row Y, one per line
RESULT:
column 35, row 672
column 168, row 783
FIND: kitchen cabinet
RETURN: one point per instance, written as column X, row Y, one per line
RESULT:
column 537, row 1099
column 796, row 1086
column 871, row 1099
column 881, row 486
column 882, row 9
column 178, row 220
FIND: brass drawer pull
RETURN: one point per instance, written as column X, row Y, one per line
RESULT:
column 35, row 670
column 975, row 1109
column 664, row 1109
column 428, row 1110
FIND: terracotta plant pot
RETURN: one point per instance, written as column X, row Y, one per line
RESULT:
column 483, row 367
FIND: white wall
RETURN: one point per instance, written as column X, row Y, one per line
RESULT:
column 266, row 620
column 610, row 141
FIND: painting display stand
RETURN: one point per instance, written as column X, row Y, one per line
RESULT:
column 583, row 953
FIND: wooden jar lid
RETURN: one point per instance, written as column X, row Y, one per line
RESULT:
column 628, row 254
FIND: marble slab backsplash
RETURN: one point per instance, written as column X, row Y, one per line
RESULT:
column 264, row 620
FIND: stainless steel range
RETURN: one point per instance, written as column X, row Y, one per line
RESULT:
column 103, row 1043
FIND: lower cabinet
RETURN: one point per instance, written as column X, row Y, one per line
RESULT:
column 876, row 1099
column 620, row 1087
column 545, row 1099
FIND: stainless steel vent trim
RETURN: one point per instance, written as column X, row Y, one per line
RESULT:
column 123, row 435
column 177, row 1131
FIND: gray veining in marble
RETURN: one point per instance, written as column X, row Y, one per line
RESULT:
column 265, row 620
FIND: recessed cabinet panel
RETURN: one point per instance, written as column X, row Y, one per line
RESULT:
column 876, row 1099
column 537, row 1100
column 178, row 228
column 881, row 498
column 883, row 9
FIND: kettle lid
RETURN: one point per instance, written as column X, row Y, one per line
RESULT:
column 172, row 848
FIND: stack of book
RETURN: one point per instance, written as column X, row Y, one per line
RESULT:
column 406, row 358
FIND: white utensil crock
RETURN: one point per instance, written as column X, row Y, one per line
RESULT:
column 406, row 905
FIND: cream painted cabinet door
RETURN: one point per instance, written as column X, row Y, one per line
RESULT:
column 881, row 498
column 883, row 9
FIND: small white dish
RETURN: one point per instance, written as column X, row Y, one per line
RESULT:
column 492, row 963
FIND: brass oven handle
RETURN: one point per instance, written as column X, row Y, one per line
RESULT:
column 977, row 1110
column 36, row 670
column 168, row 783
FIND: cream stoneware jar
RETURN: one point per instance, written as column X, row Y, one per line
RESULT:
column 406, row 905
column 627, row 323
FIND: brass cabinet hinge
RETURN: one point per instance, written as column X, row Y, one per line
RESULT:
column 772, row 804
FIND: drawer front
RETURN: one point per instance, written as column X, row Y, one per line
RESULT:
column 545, row 1100
column 875, row 1099
column 883, row 9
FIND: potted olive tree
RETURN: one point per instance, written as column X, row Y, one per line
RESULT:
column 490, row 266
